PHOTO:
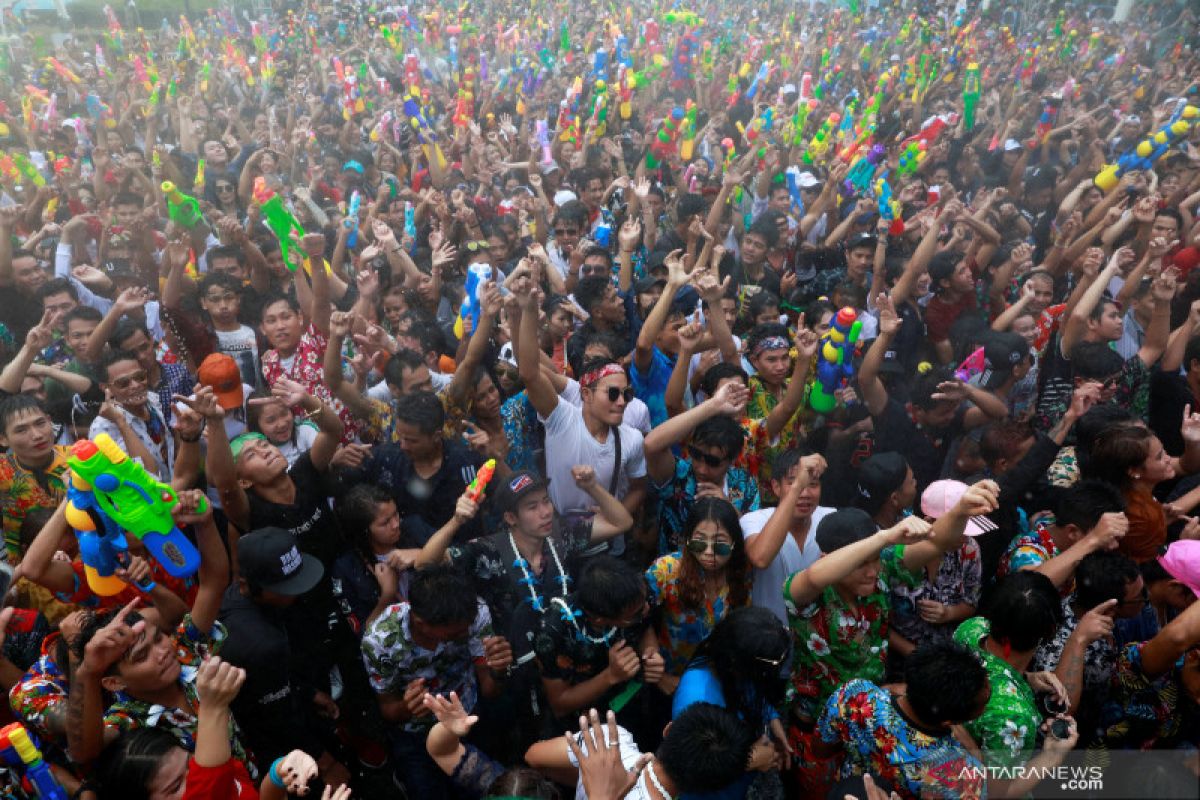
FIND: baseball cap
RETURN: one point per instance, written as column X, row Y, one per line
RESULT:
column 940, row 497
column 1011, row 144
column 844, row 527
column 220, row 371
column 647, row 283
column 518, row 485
column 1001, row 352
column 892, row 363
column 864, row 239
column 1182, row 562
column 269, row 558
column 564, row 196
column 806, row 180
column 878, row 477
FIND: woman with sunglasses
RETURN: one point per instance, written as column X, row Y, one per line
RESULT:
column 221, row 191
column 739, row 667
column 694, row 588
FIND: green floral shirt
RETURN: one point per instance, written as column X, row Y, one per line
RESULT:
column 1007, row 728
column 835, row 642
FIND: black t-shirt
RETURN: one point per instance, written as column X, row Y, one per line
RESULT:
column 1169, row 395
column 425, row 504
column 769, row 282
column 491, row 560
column 272, row 711
column 19, row 312
column 309, row 518
column 925, row 449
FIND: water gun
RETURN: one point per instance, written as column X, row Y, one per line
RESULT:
column 183, row 209
column 626, row 92
column 139, row 69
column 889, row 207
column 282, row 223
column 1150, row 149
column 760, row 77
column 19, row 748
column 599, row 113
column 835, row 360
column 102, row 545
column 477, row 275
column 599, row 64
column 27, row 170
column 483, row 477
column 820, row 141
column 198, row 183
column 858, row 178
column 542, row 132
column 970, row 95
column 688, row 145
column 664, row 141
column 63, row 71
column 1045, row 121
column 410, row 220
column 412, row 70
column 911, row 157
column 351, row 220
column 133, row 499
column 684, row 57
column 420, row 123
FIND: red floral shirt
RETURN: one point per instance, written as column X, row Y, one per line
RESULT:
column 307, row 369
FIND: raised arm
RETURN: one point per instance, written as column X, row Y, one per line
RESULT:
column 1159, row 329
column 329, row 424
column 643, row 351
column 612, row 518
column 490, row 302
column 1077, row 322
column 806, row 347
column 764, row 546
column 339, row 387
column 219, row 464
column 730, row 400
column 947, row 533
column 873, row 392
column 529, row 359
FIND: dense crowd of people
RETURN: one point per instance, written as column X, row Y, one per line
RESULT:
column 786, row 400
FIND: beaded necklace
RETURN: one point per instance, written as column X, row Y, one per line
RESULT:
column 528, row 580
column 649, row 772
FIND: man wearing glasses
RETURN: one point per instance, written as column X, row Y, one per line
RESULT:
column 132, row 417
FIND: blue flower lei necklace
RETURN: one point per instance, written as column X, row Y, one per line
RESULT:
column 527, row 579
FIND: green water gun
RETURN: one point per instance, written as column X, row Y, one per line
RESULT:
column 970, row 95
column 183, row 209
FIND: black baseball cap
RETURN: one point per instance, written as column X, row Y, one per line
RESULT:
column 844, row 527
column 878, row 477
column 1001, row 352
column 864, row 239
column 517, row 486
column 647, row 283
column 269, row 559
column 892, row 363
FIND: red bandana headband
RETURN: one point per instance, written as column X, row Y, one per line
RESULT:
column 600, row 373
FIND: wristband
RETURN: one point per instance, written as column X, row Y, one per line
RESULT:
column 273, row 774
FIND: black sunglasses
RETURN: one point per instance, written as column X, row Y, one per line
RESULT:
column 614, row 393
column 700, row 546
column 707, row 458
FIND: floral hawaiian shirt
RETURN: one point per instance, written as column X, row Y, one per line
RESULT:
column 1027, row 551
column 1007, row 729
column 307, row 368
column 760, row 405
column 959, row 580
column 41, row 693
column 192, row 646
column 880, row 740
column 394, row 660
column 1142, row 712
column 22, row 491
column 522, row 429
column 680, row 629
column 834, row 642
column 677, row 495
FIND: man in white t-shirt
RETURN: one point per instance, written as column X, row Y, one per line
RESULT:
column 589, row 434
column 781, row 540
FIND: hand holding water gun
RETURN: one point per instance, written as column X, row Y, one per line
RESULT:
column 27, row 170
column 835, row 360
column 477, row 277
column 19, row 748
column 110, row 492
column 351, row 221
column 1150, row 149
column 482, row 478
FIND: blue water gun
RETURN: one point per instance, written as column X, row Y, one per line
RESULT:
column 760, row 77
column 352, row 219
column 835, row 360
column 19, row 748
column 600, row 64
column 477, row 276
column 1150, row 149
column 410, row 220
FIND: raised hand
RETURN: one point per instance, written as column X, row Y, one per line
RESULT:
column 218, row 682
column 450, row 713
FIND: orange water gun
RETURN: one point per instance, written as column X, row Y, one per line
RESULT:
column 482, row 478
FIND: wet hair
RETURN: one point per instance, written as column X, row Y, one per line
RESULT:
column 85, row 313
column 1103, row 576
column 393, row 371
column 1095, row 361
column 92, row 625
column 787, row 460
column 760, row 302
column 691, row 578
column 690, row 204
column 125, row 328
column 925, row 387
column 573, row 212
column 943, row 681
column 525, row 783
column 422, row 410
column 744, row 652
column 1024, row 610
column 718, row 372
column 590, row 291
column 278, row 297
column 1118, row 450
column 57, row 286
column 1003, row 440
column 222, row 279
column 127, row 199
column 114, row 357
column 720, row 431
column 705, row 749
column 442, row 594
column 227, row 251
column 356, row 510
column 608, row 586
column 1095, row 316
column 1083, row 504
column 127, row 767
column 1097, row 420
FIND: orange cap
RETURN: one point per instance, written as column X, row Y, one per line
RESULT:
column 221, row 372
